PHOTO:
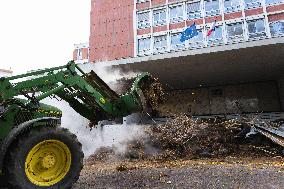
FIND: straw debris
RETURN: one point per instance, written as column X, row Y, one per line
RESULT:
column 183, row 137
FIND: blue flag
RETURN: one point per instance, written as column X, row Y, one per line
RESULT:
column 189, row 33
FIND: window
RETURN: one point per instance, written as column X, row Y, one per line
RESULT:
column 235, row 31
column 142, row 1
column 175, row 42
column 80, row 57
column 232, row 5
column 277, row 28
column 196, row 41
column 274, row 1
column 193, row 10
column 216, row 36
column 256, row 28
column 250, row 4
column 143, row 20
column 212, row 7
column 176, row 14
column 160, row 43
column 159, row 17
column 144, row 45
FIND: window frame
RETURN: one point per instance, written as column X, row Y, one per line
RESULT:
column 180, row 46
column 278, row 34
column 177, row 19
column 80, row 54
column 274, row 3
column 183, row 13
column 162, row 48
column 163, row 22
column 212, row 12
column 252, row 5
column 197, row 14
column 148, row 25
column 251, row 35
column 215, row 41
column 235, row 38
column 197, row 44
column 146, row 51
column 235, row 8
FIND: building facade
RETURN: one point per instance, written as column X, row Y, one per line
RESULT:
column 111, row 30
column 144, row 27
column 238, row 69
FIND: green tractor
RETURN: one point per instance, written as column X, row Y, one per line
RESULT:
column 36, row 152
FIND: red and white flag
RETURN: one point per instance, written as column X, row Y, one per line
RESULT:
column 212, row 28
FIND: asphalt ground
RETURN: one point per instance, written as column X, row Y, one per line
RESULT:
column 229, row 173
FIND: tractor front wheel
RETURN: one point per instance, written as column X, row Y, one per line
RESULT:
column 44, row 157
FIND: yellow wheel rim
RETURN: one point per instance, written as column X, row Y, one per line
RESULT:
column 48, row 163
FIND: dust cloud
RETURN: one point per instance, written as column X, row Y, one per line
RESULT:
column 111, row 76
column 106, row 136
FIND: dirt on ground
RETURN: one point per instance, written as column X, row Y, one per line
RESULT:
column 262, row 173
column 187, row 153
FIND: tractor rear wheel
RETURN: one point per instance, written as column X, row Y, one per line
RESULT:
column 44, row 157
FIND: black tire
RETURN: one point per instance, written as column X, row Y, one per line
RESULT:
column 15, row 161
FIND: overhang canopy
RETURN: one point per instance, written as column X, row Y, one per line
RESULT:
column 230, row 64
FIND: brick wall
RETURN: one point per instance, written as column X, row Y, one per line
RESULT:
column 75, row 53
column 276, row 17
column 111, row 35
column 85, row 53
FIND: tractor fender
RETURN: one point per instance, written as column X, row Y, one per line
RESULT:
column 20, row 129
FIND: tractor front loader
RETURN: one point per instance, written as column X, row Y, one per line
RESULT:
column 35, row 152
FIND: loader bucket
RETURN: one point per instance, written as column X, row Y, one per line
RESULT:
column 150, row 92
column 95, row 81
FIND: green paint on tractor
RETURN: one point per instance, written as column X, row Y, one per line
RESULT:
column 86, row 93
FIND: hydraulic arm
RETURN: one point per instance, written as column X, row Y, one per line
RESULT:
column 86, row 93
